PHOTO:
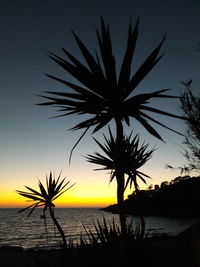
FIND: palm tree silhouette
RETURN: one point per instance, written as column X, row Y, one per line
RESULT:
column 132, row 158
column 45, row 197
column 106, row 96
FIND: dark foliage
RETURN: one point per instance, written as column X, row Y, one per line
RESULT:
column 190, row 105
column 132, row 157
column 45, row 197
column 179, row 198
column 105, row 96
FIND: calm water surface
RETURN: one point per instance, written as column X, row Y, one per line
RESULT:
column 15, row 229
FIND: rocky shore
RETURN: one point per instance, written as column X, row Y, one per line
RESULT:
column 16, row 256
column 177, row 251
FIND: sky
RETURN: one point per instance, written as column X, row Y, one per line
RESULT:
column 32, row 143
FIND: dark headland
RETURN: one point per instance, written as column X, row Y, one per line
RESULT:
column 178, row 198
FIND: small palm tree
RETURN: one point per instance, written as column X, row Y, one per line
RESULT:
column 45, row 197
column 106, row 96
column 133, row 156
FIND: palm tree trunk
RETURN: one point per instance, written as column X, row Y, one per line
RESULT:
column 120, row 176
column 58, row 226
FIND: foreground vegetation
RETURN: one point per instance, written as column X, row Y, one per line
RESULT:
column 105, row 96
column 107, row 248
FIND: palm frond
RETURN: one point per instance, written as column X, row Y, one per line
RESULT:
column 29, row 195
column 148, row 127
column 144, row 69
column 33, row 191
column 56, row 196
column 125, row 71
column 133, row 157
column 54, row 189
column 103, row 91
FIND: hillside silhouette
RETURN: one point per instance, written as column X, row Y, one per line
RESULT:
column 178, row 198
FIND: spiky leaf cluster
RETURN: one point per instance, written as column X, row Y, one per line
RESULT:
column 132, row 157
column 45, row 196
column 104, row 95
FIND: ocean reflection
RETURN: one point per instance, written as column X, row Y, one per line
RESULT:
column 16, row 229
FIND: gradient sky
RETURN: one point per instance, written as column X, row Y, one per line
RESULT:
column 31, row 143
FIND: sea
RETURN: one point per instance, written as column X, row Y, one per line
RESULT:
column 18, row 230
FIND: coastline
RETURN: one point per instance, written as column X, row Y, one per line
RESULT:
column 180, row 250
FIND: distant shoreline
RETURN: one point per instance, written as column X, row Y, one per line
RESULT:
column 179, row 198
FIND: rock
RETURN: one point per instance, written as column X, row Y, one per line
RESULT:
column 11, row 249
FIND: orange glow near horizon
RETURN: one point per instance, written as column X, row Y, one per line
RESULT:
column 88, row 196
column 20, row 202
column 78, row 196
column 78, row 204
